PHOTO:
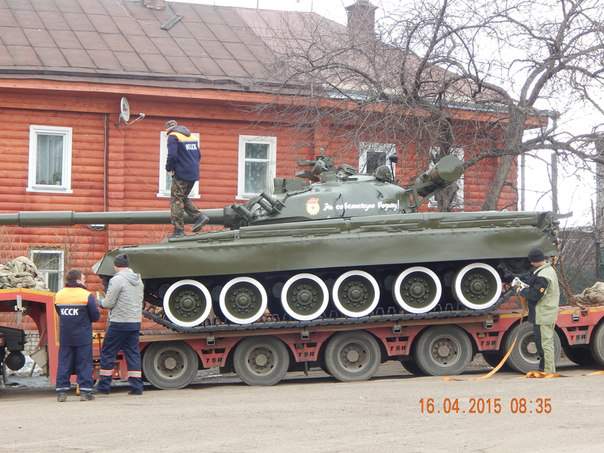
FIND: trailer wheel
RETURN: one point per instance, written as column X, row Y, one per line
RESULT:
column 443, row 350
column 524, row 355
column 410, row 365
column 352, row 356
column 261, row 360
column 597, row 345
column 580, row 355
column 170, row 364
column 493, row 358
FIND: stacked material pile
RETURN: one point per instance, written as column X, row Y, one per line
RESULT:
column 21, row 273
column 593, row 295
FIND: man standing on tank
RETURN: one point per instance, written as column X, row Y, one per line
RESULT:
column 124, row 299
column 183, row 163
column 543, row 298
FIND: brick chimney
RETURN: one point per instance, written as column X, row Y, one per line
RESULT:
column 361, row 20
column 155, row 4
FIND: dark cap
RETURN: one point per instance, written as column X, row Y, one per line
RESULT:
column 73, row 276
column 536, row 255
column 120, row 261
column 171, row 124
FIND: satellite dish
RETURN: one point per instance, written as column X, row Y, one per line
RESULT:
column 124, row 110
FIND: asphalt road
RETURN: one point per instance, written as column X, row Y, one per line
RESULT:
column 317, row 414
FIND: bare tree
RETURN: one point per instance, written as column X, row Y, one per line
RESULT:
column 442, row 73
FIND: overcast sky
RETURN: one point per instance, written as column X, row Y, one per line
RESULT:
column 575, row 193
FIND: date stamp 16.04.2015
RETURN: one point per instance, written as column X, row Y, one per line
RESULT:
column 483, row 406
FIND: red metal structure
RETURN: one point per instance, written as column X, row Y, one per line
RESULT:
column 349, row 352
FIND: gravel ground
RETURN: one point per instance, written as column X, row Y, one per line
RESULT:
column 315, row 414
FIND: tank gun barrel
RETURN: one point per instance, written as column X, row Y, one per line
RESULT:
column 56, row 218
column 446, row 171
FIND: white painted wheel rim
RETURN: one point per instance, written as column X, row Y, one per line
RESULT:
column 263, row 300
column 459, row 294
column 399, row 298
column 338, row 303
column 174, row 287
column 299, row 316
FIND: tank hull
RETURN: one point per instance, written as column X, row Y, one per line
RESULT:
column 402, row 239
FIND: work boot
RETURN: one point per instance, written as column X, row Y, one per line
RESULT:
column 200, row 222
column 135, row 392
column 178, row 233
column 86, row 396
column 62, row 397
column 101, row 391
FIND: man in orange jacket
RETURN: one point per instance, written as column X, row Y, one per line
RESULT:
column 77, row 310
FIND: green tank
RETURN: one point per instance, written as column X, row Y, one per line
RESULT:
column 341, row 246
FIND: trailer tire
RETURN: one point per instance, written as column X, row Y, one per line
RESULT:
column 261, row 360
column 597, row 345
column 443, row 351
column 352, row 356
column 410, row 365
column 170, row 364
column 493, row 358
column 523, row 359
column 580, row 355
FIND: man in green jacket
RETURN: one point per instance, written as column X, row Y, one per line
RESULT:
column 543, row 297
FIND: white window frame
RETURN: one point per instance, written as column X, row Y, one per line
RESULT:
column 66, row 132
column 163, row 191
column 61, row 269
column 272, row 162
column 458, row 152
column 387, row 148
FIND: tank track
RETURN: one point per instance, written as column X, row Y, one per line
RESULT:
column 333, row 319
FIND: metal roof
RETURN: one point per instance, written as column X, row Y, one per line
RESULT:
column 122, row 40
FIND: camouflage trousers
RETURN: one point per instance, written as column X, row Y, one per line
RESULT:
column 180, row 203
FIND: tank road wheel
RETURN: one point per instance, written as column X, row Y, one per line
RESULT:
column 417, row 289
column 524, row 356
column 261, row 360
column 187, row 303
column 243, row 300
column 170, row 364
column 304, row 297
column 597, row 344
column 356, row 293
column 443, row 350
column 477, row 286
column 352, row 356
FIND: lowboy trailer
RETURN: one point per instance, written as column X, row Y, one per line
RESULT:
column 348, row 349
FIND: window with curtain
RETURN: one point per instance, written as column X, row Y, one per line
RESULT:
column 165, row 178
column 50, row 266
column 257, row 165
column 49, row 159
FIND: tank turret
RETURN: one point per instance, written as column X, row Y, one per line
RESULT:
column 333, row 243
column 338, row 192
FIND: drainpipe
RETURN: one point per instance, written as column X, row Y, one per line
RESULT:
column 105, row 161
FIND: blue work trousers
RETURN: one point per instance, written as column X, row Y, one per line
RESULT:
column 117, row 339
column 76, row 359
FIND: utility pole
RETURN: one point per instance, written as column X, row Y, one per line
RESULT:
column 522, row 182
column 555, row 183
column 598, row 215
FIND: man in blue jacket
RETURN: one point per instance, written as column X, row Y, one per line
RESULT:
column 77, row 310
column 183, row 164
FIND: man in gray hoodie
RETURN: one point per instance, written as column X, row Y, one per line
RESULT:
column 124, row 299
